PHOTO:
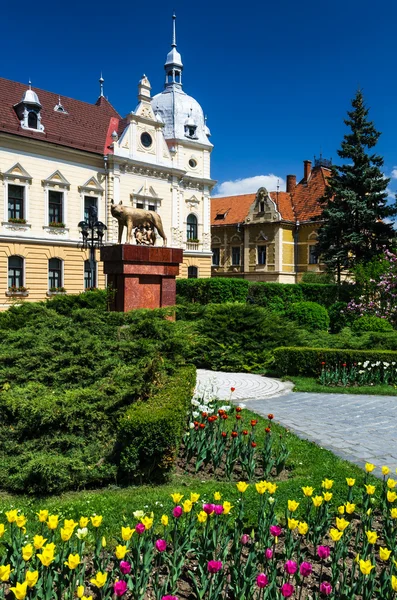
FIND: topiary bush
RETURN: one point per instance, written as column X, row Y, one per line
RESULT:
column 371, row 323
column 310, row 315
column 212, row 290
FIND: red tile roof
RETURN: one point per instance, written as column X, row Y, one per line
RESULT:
column 302, row 204
column 85, row 127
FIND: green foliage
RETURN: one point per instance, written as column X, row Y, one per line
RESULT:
column 339, row 316
column 371, row 323
column 270, row 294
column 318, row 278
column 149, row 432
column 215, row 289
column 310, row 315
column 310, row 361
column 355, row 209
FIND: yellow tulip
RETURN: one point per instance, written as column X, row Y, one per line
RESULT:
column 126, row 533
column 103, row 542
column 43, row 515
column 20, row 590
column 21, row 521
column 370, row 489
column 317, row 501
column 308, row 491
column 369, row 467
column 73, row 561
column 52, row 522
column 99, row 580
column 147, row 522
column 366, row 567
column 164, row 520
column 217, row 496
column 335, row 535
column 38, row 541
column 46, row 557
column 176, row 498
column 202, row 517
column 96, row 520
column 327, row 496
column 292, row 505
column 372, row 536
column 120, row 552
column 384, row 553
column 303, row 527
column 2, row 530
column 394, row 583
column 194, row 497
column 391, row 496
column 66, row 534
column 261, row 487
column 86, row 598
column 350, row 508
column 393, row 513
column 80, row 591
column 27, row 552
column 5, row 571
column 187, row 506
column 341, row 524
column 70, row 524
column 327, row 484
column 292, row 524
column 31, row 578
column 83, row 522
column 385, row 470
column 227, row 507
column 350, row 481
column 50, row 547
column 242, row 486
column 271, row 488
column 12, row 516
column 341, row 509
column 391, row 483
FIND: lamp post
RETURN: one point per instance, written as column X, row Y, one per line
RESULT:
column 92, row 232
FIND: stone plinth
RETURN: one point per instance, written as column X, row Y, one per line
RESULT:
column 143, row 276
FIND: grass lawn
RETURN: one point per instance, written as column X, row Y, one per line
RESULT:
column 310, row 384
column 308, row 464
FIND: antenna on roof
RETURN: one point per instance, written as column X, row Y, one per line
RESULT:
column 278, row 187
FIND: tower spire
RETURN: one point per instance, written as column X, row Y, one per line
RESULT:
column 173, row 30
column 173, row 65
column 101, row 82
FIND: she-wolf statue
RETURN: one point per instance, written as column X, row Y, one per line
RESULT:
column 130, row 217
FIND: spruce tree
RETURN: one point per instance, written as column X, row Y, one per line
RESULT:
column 355, row 211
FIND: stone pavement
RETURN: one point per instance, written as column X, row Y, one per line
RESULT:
column 358, row 428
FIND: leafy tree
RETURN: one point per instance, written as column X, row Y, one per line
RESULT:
column 355, row 209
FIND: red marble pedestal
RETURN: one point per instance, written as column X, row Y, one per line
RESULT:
column 143, row 276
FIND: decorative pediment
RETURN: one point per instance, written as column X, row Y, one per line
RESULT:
column 261, row 237
column 145, row 110
column 263, row 209
column 216, row 240
column 236, row 238
column 146, row 192
column 56, row 180
column 17, row 172
column 313, row 236
column 91, row 185
column 193, row 202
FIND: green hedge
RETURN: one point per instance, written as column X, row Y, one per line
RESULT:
column 307, row 361
column 149, row 433
column 310, row 315
column 213, row 290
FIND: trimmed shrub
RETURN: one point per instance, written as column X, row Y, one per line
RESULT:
column 213, row 290
column 309, row 361
column 309, row 315
column 324, row 294
column 149, row 432
column 263, row 294
column 371, row 323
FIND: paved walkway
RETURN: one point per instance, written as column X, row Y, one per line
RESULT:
column 358, row 428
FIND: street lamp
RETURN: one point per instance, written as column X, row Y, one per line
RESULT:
column 92, row 232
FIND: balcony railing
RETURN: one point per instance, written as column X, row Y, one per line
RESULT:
column 193, row 246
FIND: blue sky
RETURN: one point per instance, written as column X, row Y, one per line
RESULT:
column 274, row 78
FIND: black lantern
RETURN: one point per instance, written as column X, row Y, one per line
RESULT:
column 92, row 232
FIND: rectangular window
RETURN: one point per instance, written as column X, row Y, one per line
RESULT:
column 89, row 276
column 152, row 207
column 261, row 252
column 313, row 258
column 236, row 256
column 216, row 252
column 15, row 271
column 54, row 274
column 55, row 207
column 16, row 202
column 88, row 202
column 139, row 205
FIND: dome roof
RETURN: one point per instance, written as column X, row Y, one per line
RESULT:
column 177, row 109
column 30, row 97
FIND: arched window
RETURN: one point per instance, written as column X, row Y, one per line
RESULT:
column 191, row 231
column 15, row 271
column 192, row 272
column 89, row 276
column 32, row 120
column 54, row 274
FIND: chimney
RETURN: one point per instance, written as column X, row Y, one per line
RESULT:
column 291, row 183
column 307, row 167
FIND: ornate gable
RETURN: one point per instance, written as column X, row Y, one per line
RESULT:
column 17, row 172
column 263, row 209
column 91, row 185
column 56, row 180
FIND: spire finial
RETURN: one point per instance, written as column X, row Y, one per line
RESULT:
column 30, row 84
column 173, row 30
column 101, row 81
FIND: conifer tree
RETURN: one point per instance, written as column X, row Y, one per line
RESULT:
column 355, row 210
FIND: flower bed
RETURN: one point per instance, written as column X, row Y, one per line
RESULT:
column 201, row 550
column 359, row 374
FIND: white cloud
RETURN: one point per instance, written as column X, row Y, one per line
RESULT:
column 249, row 185
column 394, row 173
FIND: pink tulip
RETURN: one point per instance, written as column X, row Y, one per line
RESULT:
column 214, row 566
column 161, row 545
column 169, row 598
column 287, row 589
column 269, row 553
column 245, row 538
column 290, row 567
column 218, row 509
column 326, row 588
column 177, row 512
column 209, row 508
column 125, row 567
column 120, row 587
column 275, row 530
column 305, row 569
column 323, row 551
column 262, row 580
column 140, row 528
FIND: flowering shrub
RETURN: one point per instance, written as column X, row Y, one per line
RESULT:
column 201, row 549
column 361, row 373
